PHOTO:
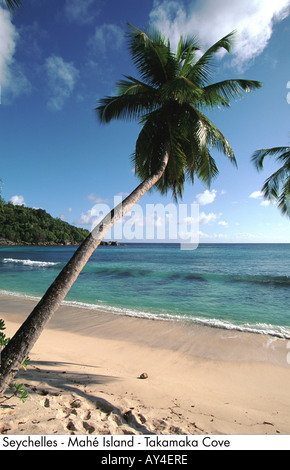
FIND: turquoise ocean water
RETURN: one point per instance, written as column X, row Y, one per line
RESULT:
column 233, row 286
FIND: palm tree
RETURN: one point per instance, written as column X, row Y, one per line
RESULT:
column 272, row 189
column 174, row 143
column 12, row 5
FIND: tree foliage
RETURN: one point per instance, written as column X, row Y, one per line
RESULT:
column 35, row 226
column 169, row 99
column 17, row 389
column 12, row 5
column 277, row 186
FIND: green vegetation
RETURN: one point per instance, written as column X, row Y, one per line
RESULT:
column 277, row 187
column 17, row 389
column 12, row 5
column 21, row 224
column 169, row 100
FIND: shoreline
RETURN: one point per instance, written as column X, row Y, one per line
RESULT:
column 84, row 377
column 4, row 242
column 274, row 331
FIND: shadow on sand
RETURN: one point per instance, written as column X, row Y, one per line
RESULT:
column 56, row 378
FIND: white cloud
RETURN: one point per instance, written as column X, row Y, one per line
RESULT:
column 94, row 215
column 96, row 200
column 12, row 79
column 31, row 39
column 256, row 195
column 207, row 218
column 62, row 77
column 88, row 218
column 207, row 197
column 260, row 196
column 265, row 203
column 78, row 11
column 223, row 223
column 8, row 39
column 214, row 237
column 17, row 200
column 107, row 36
column 210, row 20
column 122, row 194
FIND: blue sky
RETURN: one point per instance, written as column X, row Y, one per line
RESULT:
column 58, row 57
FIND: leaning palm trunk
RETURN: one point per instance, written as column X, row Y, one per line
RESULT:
column 24, row 339
column 167, row 101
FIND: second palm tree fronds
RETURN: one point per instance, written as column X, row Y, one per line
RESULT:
column 175, row 142
column 277, row 186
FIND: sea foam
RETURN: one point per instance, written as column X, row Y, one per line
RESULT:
column 258, row 328
column 29, row 262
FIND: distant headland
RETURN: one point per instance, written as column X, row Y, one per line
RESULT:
column 20, row 225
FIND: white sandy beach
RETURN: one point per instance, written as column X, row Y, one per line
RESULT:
column 84, row 377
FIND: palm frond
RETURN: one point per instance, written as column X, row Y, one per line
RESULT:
column 126, row 106
column 167, row 99
column 180, row 89
column 272, row 184
column 202, row 70
column 208, row 169
column 150, row 144
column 156, row 135
column 133, row 86
column 186, row 50
column 281, row 153
column 277, row 186
column 284, row 198
column 152, row 56
column 12, row 5
column 225, row 91
column 209, row 134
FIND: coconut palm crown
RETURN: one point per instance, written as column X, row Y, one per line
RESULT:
column 169, row 100
column 277, row 186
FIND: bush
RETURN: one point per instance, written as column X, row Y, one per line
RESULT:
column 16, row 388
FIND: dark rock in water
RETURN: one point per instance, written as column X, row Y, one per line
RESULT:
column 109, row 243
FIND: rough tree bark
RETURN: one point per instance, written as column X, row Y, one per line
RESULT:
column 24, row 339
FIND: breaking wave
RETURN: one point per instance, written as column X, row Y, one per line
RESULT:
column 256, row 328
column 29, row 262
